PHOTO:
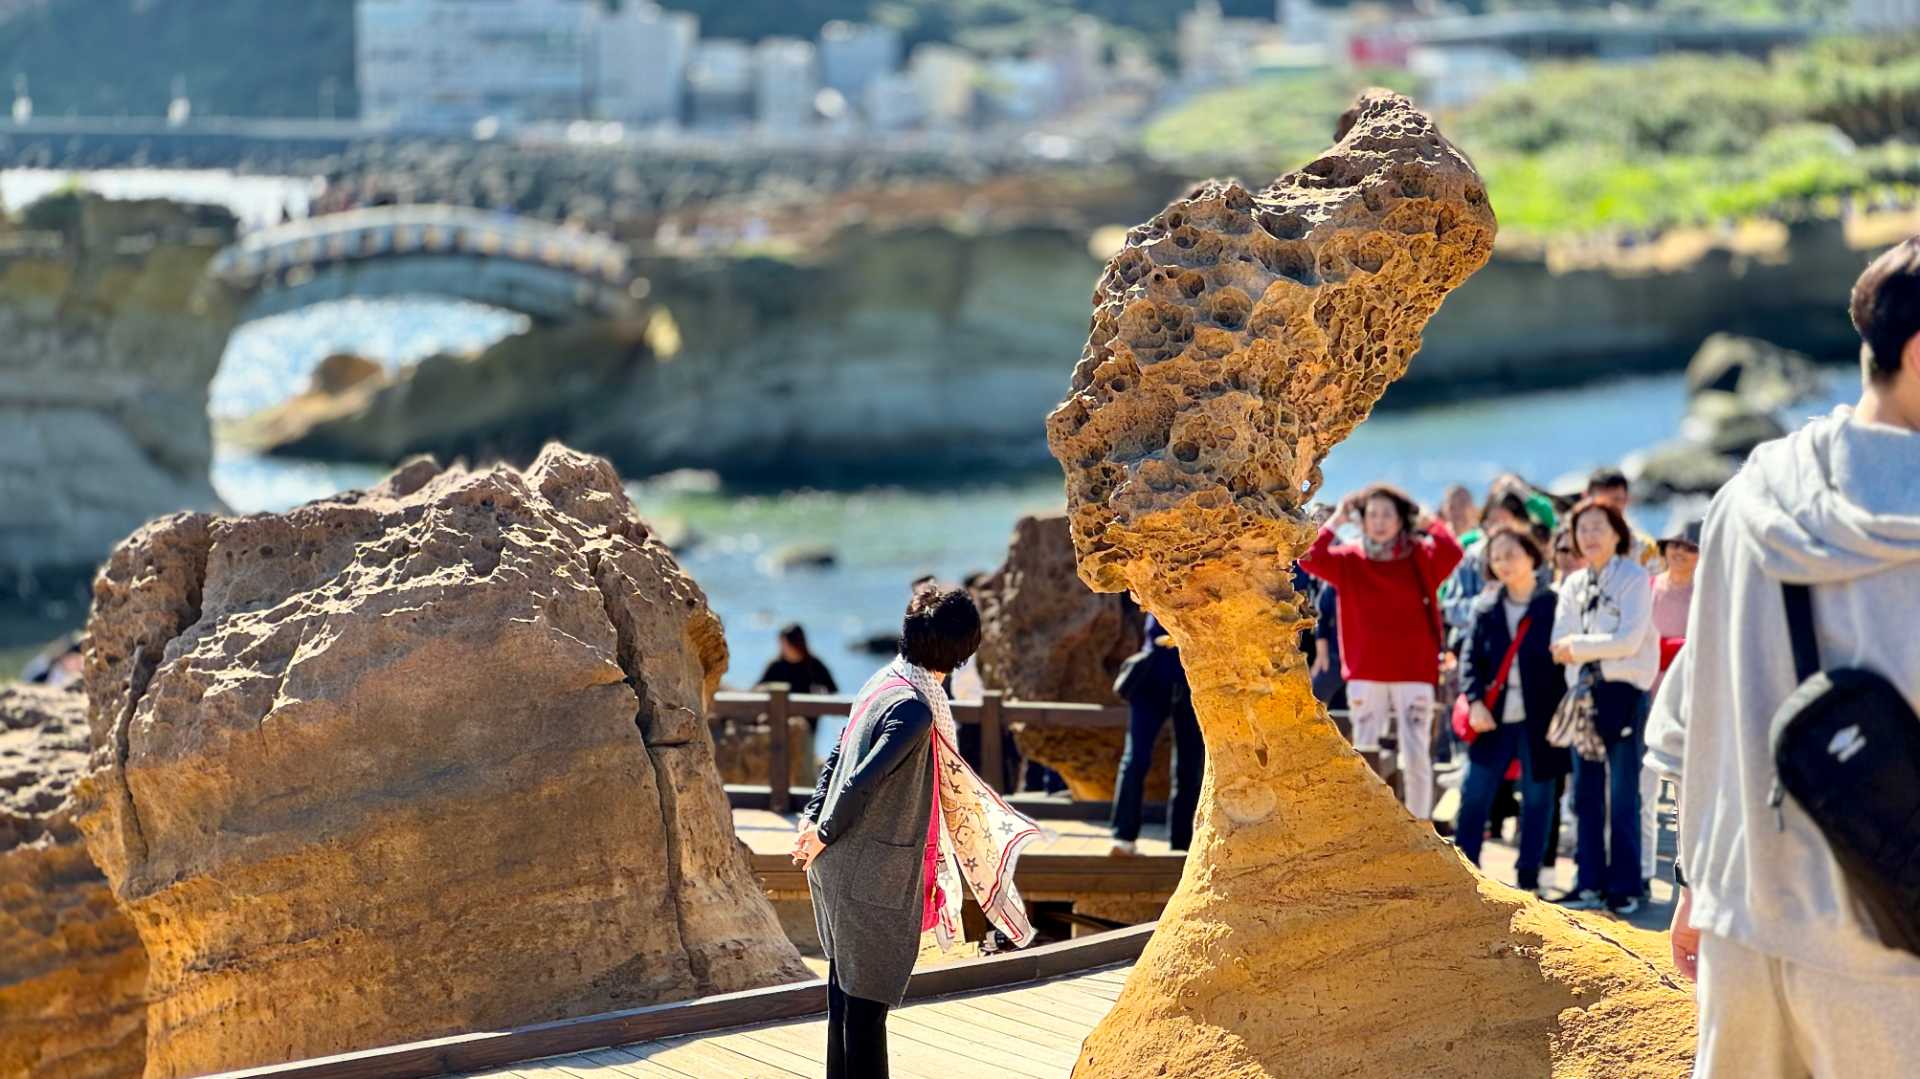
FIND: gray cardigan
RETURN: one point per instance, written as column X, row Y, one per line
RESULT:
column 873, row 805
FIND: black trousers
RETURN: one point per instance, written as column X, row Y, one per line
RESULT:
column 1149, row 709
column 856, row 1034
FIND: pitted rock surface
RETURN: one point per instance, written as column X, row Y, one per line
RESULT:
column 1240, row 335
column 1317, row 930
column 72, row 972
column 421, row 759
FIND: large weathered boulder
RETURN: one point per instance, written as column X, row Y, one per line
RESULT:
column 1318, row 930
column 1046, row 636
column 424, row 758
column 72, row 972
column 112, row 335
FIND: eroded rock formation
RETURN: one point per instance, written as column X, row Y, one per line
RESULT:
column 72, row 972
column 112, row 335
column 425, row 758
column 1047, row 637
column 1318, row 930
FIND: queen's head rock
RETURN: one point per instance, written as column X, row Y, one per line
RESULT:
column 419, row 759
column 1239, row 335
column 1317, row 928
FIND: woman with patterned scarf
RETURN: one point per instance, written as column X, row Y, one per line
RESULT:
column 897, row 821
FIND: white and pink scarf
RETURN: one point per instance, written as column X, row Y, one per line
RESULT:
column 973, row 833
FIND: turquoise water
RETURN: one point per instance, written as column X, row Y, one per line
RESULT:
column 883, row 538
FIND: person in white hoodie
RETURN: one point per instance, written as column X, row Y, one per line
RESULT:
column 1792, row 979
column 1604, row 625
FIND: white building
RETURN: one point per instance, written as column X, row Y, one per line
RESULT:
column 1022, row 89
column 720, row 82
column 891, row 102
column 785, row 79
column 445, row 64
column 1212, row 49
column 1455, row 76
column 945, row 80
column 1886, row 14
column 640, row 57
column 854, row 54
column 1078, row 57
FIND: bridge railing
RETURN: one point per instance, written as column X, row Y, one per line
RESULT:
column 422, row 229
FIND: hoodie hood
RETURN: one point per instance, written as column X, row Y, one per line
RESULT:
column 1835, row 500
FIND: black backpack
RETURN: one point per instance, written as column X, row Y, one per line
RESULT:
column 1846, row 745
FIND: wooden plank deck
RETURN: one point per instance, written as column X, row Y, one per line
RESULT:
column 1032, row 1031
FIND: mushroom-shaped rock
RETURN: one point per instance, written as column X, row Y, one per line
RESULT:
column 1318, row 929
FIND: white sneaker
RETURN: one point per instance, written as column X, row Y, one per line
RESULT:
column 1123, row 848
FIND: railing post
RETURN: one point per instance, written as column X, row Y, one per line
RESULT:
column 779, row 752
column 991, row 758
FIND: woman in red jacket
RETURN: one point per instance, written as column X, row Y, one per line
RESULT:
column 1390, row 628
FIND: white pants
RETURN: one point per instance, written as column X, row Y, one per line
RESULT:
column 1649, row 823
column 1372, row 706
column 1766, row 1018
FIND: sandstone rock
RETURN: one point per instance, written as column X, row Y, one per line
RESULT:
column 1047, row 637
column 112, row 337
column 72, row 972
column 1319, row 930
column 425, row 758
column 343, row 371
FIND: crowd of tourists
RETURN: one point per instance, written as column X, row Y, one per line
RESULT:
column 1464, row 633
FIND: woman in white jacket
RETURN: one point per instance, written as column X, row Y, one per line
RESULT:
column 1604, row 626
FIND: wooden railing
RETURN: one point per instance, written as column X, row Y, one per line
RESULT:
column 992, row 713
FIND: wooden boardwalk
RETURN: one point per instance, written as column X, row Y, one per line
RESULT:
column 1032, row 1031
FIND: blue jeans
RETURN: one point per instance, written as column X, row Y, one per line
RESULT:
column 1148, row 711
column 1487, row 760
column 1606, row 796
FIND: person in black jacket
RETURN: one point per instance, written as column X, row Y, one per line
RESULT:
column 1512, row 715
column 1157, row 692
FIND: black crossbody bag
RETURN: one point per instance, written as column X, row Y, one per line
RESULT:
column 1846, row 746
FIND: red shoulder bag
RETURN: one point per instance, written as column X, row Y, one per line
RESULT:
column 1463, row 704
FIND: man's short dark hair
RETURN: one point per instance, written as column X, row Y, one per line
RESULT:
column 794, row 635
column 941, row 629
column 1885, row 308
column 1608, row 479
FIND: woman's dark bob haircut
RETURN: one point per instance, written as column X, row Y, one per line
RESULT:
column 1521, row 539
column 1622, row 532
column 941, row 629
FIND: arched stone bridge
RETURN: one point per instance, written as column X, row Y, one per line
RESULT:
column 549, row 273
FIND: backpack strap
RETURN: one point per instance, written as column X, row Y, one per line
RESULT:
column 1806, row 648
